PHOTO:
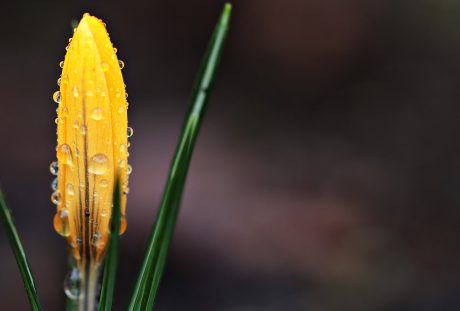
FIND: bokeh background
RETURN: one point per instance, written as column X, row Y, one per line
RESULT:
column 327, row 173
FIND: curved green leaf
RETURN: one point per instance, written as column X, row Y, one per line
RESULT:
column 19, row 254
column 152, row 268
column 111, row 260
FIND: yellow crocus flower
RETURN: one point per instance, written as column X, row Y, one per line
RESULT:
column 92, row 144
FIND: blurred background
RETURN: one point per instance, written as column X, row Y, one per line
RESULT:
column 326, row 174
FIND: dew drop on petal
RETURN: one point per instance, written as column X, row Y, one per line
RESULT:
column 115, row 50
column 105, row 66
column 104, row 212
column 70, row 189
column 59, row 81
column 96, row 114
column 61, row 222
column 72, row 284
column 121, row 63
column 103, row 183
column 130, row 132
column 57, row 97
column 129, row 169
column 123, row 225
column 56, row 197
column 54, row 168
column 65, row 112
column 96, row 240
column 54, row 184
column 75, row 91
column 64, row 154
column 122, row 148
column 98, row 164
column 61, row 64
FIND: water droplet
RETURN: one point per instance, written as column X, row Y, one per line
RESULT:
column 70, row 40
column 130, row 132
column 97, row 241
column 115, row 50
column 61, row 222
column 59, row 81
column 103, row 183
column 83, row 129
column 56, row 120
column 61, row 64
column 64, row 154
column 87, row 213
column 122, row 163
column 65, row 112
column 70, row 189
column 72, row 284
column 121, row 63
column 56, row 197
column 126, row 94
column 123, row 224
column 104, row 212
column 98, row 164
column 54, row 168
column 75, row 91
column 96, row 114
column 129, row 169
column 122, row 148
column 57, row 97
column 121, row 109
column 54, row 184
column 104, row 66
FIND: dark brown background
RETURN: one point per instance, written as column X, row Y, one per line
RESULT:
column 327, row 173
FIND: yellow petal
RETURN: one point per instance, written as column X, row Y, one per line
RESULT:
column 92, row 140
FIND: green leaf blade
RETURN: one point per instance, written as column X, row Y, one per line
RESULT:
column 154, row 261
column 111, row 260
column 19, row 254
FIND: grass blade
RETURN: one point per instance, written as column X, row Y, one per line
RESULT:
column 111, row 260
column 19, row 253
column 152, row 268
